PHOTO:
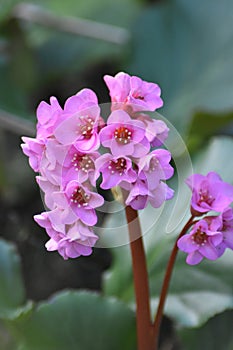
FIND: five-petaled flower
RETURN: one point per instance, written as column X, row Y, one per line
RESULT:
column 212, row 234
column 132, row 93
column 209, row 193
column 201, row 242
column 124, row 136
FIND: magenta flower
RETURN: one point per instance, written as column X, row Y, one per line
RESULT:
column 124, row 136
column 209, row 193
column 49, row 117
column 48, row 188
column 70, row 241
column 80, row 166
column 33, row 148
column 81, row 122
column 115, row 170
column 162, row 131
column 156, row 130
column 133, row 92
column 49, row 165
column 200, row 242
column 140, row 195
column 160, row 194
column 78, row 202
column 81, row 130
column 155, row 167
column 65, row 154
column 83, row 100
column 226, row 228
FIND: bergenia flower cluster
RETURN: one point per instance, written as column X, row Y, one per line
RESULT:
column 212, row 234
column 66, row 154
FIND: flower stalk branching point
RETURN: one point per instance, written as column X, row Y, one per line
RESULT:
column 75, row 147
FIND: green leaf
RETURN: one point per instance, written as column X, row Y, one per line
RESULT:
column 196, row 292
column 204, row 125
column 77, row 321
column 12, row 294
column 5, row 8
column 175, row 46
column 6, row 341
column 212, row 336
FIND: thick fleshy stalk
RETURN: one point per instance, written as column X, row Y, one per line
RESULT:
column 141, row 285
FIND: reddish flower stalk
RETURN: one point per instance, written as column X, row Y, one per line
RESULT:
column 141, row 285
column 165, row 286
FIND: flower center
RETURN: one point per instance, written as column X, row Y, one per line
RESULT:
column 137, row 96
column 205, row 197
column 118, row 165
column 80, row 197
column 122, row 135
column 199, row 237
column 86, row 127
column 82, row 162
column 153, row 164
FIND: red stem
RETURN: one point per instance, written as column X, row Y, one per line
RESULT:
column 165, row 286
column 141, row 286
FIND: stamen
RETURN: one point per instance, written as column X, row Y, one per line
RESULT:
column 122, row 135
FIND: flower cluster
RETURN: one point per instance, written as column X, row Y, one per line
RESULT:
column 66, row 154
column 211, row 235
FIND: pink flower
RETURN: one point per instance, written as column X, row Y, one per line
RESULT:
column 33, row 148
column 124, row 136
column 155, row 167
column 133, row 92
column 115, row 170
column 70, row 241
column 225, row 226
column 83, row 100
column 209, row 193
column 81, row 122
column 80, row 166
column 49, row 165
column 162, row 131
column 48, row 188
column 140, row 195
column 48, row 116
column 156, row 130
column 79, row 203
column 200, row 242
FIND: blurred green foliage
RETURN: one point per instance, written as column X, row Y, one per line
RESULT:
column 70, row 320
column 198, row 292
column 184, row 46
column 187, row 47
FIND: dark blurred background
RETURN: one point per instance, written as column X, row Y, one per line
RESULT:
column 59, row 47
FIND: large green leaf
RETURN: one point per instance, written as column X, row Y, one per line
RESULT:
column 12, row 294
column 70, row 320
column 187, row 47
column 77, row 321
column 198, row 292
column 215, row 335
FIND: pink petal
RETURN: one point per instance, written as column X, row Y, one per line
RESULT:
column 66, row 132
column 194, row 258
column 185, row 244
column 209, row 251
